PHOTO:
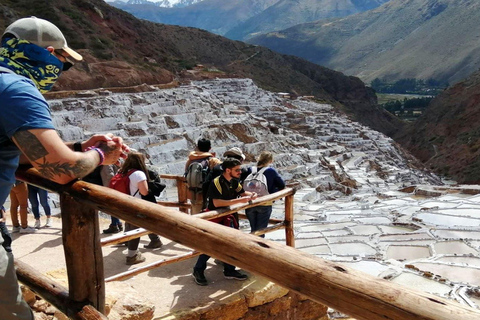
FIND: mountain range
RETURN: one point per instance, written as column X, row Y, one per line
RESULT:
column 419, row 39
column 160, row 3
column 240, row 20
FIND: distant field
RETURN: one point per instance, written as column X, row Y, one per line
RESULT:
column 386, row 97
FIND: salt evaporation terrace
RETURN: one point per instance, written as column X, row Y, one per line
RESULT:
column 348, row 207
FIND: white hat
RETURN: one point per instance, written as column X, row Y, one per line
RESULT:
column 42, row 33
column 235, row 151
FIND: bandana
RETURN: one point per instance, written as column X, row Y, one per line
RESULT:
column 31, row 61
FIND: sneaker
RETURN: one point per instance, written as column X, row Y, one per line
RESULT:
column 199, row 277
column 137, row 258
column 120, row 227
column 28, row 230
column 48, row 223
column 155, row 244
column 16, row 229
column 235, row 275
column 37, row 224
column 112, row 229
column 218, row 262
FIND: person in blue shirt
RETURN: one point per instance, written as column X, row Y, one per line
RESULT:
column 258, row 216
column 33, row 54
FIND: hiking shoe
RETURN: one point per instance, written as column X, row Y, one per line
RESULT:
column 137, row 258
column 120, row 227
column 37, row 224
column 16, row 229
column 28, row 230
column 235, row 275
column 48, row 223
column 112, row 229
column 199, row 277
column 154, row 244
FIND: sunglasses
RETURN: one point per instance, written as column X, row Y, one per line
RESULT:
column 67, row 62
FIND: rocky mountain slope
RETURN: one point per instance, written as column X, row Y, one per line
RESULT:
column 447, row 137
column 121, row 50
column 241, row 20
column 217, row 16
column 287, row 13
column 401, row 39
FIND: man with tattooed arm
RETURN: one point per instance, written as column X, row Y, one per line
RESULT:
column 33, row 53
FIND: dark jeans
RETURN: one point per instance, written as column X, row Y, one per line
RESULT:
column 201, row 264
column 258, row 217
column 7, row 239
column 133, row 244
column 115, row 221
column 32, row 197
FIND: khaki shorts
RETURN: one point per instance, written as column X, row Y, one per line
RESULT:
column 12, row 304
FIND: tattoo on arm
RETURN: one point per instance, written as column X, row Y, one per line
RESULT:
column 36, row 153
column 30, row 145
column 80, row 169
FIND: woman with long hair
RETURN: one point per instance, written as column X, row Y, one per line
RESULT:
column 260, row 215
column 136, row 168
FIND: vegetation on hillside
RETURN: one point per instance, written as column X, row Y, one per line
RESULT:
column 408, row 109
column 409, row 85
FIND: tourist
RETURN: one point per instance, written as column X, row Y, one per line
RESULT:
column 19, row 199
column 260, row 215
column 34, row 193
column 225, row 190
column 33, row 54
column 136, row 170
column 207, row 160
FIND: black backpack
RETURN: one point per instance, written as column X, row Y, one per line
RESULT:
column 155, row 187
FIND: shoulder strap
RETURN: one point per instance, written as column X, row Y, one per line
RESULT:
column 216, row 181
column 254, row 169
column 262, row 170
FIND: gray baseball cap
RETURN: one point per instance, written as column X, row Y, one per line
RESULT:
column 42, row 33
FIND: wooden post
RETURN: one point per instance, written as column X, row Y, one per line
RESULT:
column 289, row 233
column 83, row 252
column 182, row 193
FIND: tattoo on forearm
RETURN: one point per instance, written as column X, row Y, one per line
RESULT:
column 50, row 169
column 30, row 145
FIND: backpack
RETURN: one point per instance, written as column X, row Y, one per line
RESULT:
column 196, row 173
column 121, row 182
column 256, row 182
column 155, row 187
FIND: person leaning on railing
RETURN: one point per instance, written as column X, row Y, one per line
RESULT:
column 33, row 54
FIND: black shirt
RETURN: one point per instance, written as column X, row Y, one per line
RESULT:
column 228, row 190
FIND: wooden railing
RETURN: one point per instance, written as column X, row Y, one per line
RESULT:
column 352, row 292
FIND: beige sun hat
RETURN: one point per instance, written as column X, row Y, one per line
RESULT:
column 42, row 33
column 235, row 151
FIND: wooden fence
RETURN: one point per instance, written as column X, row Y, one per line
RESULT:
column 352, row 292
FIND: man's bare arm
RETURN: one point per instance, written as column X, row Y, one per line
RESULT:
column 56, row 161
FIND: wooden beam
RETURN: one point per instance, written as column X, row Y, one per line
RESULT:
column 55, row 293
column 124, row 236
column 130, row 273
column 83, row 252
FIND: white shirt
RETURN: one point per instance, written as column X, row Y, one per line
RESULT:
column 135, row 178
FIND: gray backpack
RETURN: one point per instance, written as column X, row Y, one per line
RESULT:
column 196, row 174
column 256, row 182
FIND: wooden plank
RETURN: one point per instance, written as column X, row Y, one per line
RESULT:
column 124, row 236
column 275, row 227
column 130, row 273
column 83, row 252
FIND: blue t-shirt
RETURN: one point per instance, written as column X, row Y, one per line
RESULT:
column 22, row 107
